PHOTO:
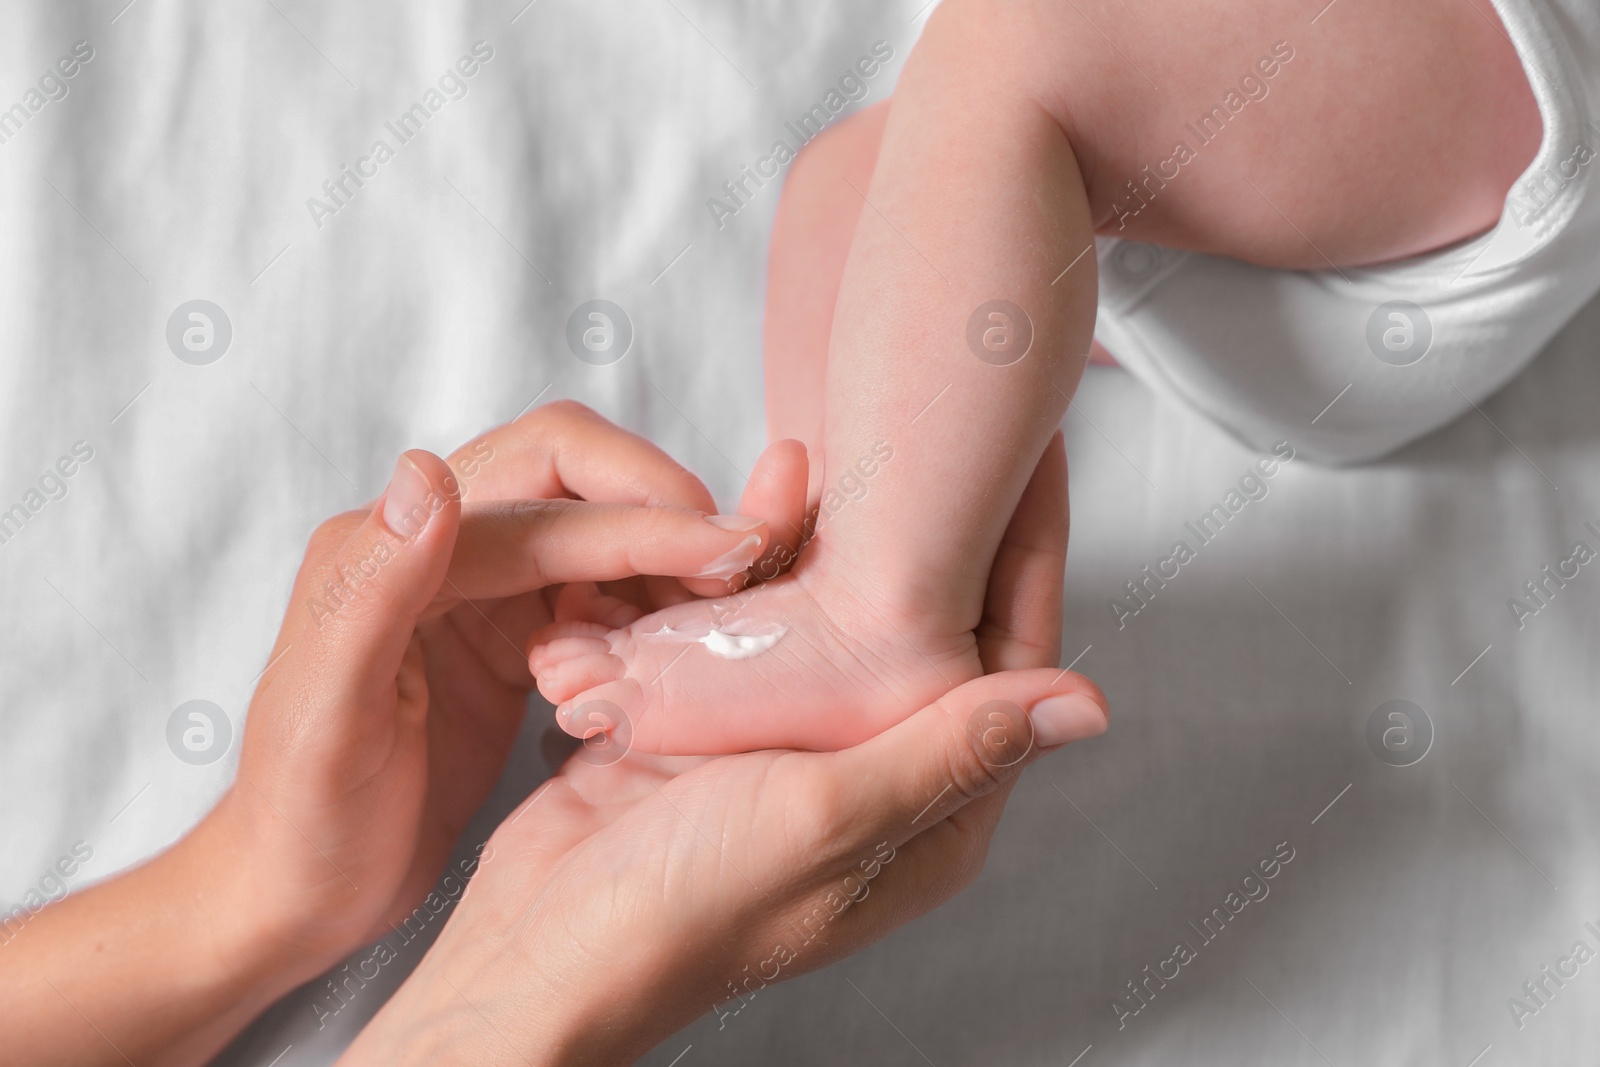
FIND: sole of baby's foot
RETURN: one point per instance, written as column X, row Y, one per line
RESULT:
column 793, row 663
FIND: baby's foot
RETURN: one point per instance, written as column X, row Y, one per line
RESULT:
column 806, row 661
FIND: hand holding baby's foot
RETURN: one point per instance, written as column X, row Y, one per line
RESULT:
column 804, row 661
column 817, row 658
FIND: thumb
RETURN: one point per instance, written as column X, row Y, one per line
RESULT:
column 973, row 740
column 363, row 595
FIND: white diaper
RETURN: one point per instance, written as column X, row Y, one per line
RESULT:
column 1348, row 370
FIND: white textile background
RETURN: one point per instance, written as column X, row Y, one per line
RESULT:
column 434, row 303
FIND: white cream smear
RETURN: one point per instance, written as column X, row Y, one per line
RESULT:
column 737, row 641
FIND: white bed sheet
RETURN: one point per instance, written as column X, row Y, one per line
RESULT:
column 434, row 304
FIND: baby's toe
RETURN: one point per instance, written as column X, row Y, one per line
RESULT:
column 545, row 656
column 607, row 708
column 562, row 681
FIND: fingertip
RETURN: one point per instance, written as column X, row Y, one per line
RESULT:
column 736, row 523
column 421, row 486
column 1059, row 707
column 777, row 489
column 736, row 560
column 781, row 463
column 1067, row 707
column 1066, row 717
column 1082, row 684
column 724, row 574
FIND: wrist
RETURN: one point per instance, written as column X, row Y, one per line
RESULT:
column 168, row 956
column 443, row 1020
column 257, row 928
column 481, row 990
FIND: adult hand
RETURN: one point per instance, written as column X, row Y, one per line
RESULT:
column 625, row 898
column 388, row 718
column 382, row 721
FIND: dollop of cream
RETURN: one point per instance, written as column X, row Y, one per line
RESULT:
column 741, row 646
column 736, row 641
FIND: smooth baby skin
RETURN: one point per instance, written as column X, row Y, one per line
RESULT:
column 1011, row 141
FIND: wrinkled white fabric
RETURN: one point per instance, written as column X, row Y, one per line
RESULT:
column 579, row 166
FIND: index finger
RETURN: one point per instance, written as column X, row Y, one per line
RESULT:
column 564, row 450
column 505, row 548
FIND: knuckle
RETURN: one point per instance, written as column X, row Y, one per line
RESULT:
column 661, row 525
column 675, row 486
column 997, row 735
column 651, row 531
column 331, row 533
column 323, row 549
column 971, row 776
column 564, row 411
column 537, row 521
column 347, row 592
column 536, row 513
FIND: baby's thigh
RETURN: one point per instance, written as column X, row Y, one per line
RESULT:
column 1287, row 134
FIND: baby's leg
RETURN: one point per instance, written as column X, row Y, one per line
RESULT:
column 811, row 238
column 979, row 195
column 976, row 198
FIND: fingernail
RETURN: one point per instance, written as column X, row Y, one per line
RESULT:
column 735, row 523
column 1070, row 717
column 405, row 502
column 735, row 561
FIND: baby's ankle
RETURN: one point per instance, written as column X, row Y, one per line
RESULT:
column 908, row 600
